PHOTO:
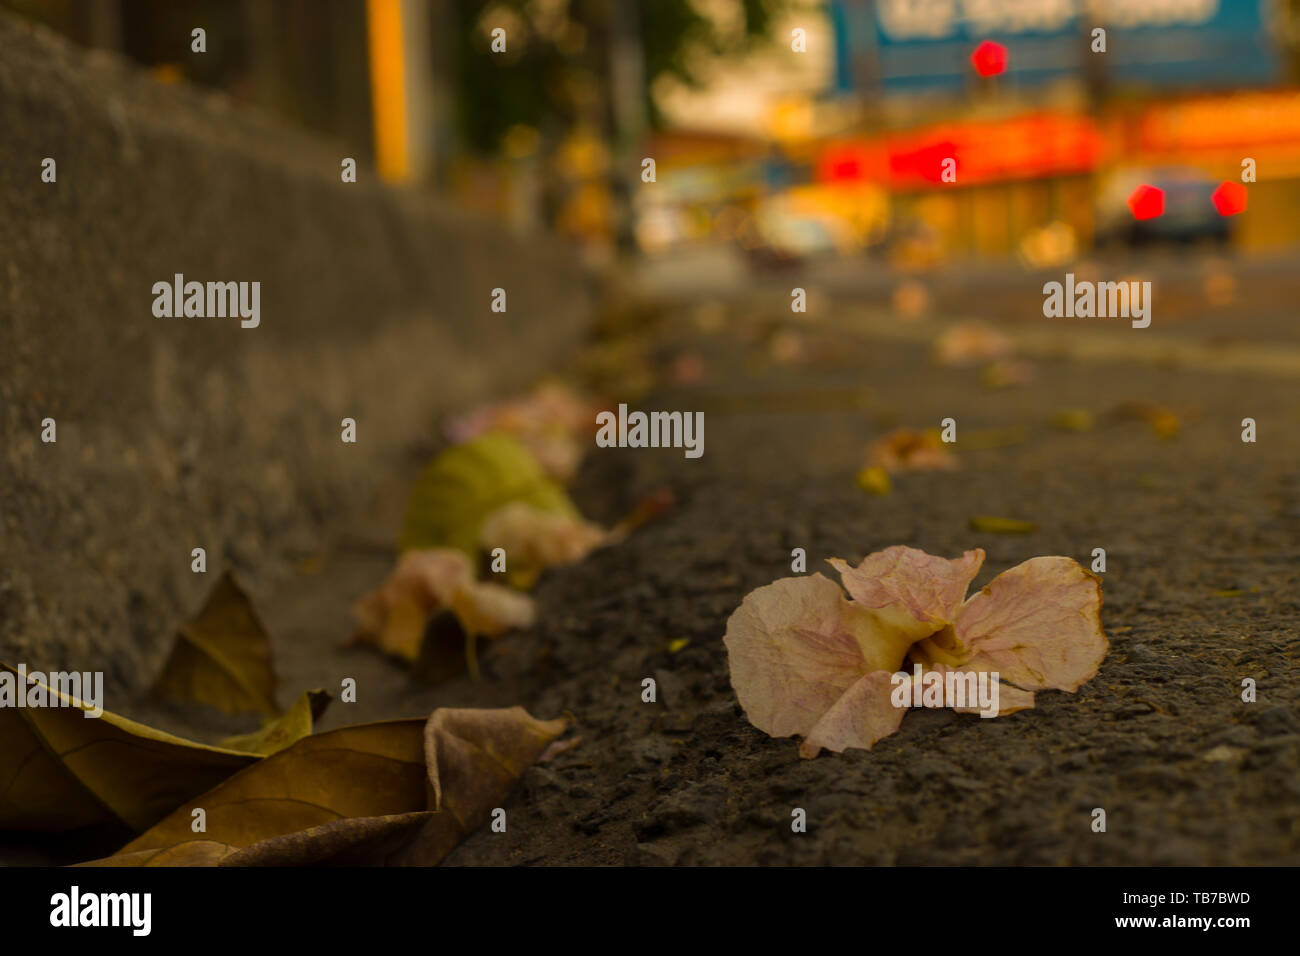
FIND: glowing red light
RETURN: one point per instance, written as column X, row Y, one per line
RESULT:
column 1146, row 202
column 1229, row 198
column 989, row 58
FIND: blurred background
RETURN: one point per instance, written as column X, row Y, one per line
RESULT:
column 786, row 133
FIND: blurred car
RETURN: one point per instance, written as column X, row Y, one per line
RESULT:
column 1189, row 215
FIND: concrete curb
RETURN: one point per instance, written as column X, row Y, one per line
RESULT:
column 176, row 433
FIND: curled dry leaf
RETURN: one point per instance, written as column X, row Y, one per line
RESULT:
column 474, row 757
column 393, row 617
column 807, row 660
column 402, row 792
column 906, row 449
column 535, row 540
column 61, row 770
column 222, row 657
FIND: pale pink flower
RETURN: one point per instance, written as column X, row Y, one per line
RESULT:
column 807, row 660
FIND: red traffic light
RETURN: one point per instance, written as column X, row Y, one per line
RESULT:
column 989, row 58
column 1146, row 202
column 1229, row 198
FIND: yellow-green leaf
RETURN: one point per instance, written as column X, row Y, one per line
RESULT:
column 222, row 657
column 468, row 482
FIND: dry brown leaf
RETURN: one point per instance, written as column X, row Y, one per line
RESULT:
column 62, row 770
column 355, row 841
column 475, row 758
column 401, row 792
column 368, row 770
column 223, row 656
column 294, row 724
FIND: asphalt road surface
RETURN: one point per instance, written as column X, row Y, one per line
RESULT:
column 1201, row 532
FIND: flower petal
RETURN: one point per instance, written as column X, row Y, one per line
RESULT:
column 792, row 653
column 929, row 588
column 1038, row 625
column 1009, row 699
column 490, row 609
column 534, row 539
column 394, row 615
column 861, row 716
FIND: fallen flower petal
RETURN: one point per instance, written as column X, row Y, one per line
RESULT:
column 551, row 422
column 905, row 449
column 862, row 715
column 805, row 660
column 1038, row 625
column 929, row 587
column 793, row 653
column 489, row 609
column 394, row 616
column 1009, row 699
column 534, row 540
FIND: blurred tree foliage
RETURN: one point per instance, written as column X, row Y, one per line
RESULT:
column 556, row 68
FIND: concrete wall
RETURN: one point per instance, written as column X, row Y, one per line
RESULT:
column 175, row 433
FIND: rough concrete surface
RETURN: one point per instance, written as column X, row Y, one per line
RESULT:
column 176, row 433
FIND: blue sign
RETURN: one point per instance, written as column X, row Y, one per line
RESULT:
column 912, row 46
